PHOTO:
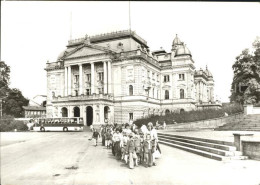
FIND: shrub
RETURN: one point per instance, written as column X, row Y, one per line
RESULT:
column 9, row 124
column 190, row 116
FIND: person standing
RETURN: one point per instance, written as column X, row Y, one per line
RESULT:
column 154, row 140
column 96, row 135
column 164, row 125
column 130, row 150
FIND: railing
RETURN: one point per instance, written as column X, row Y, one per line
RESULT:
column 84, row 97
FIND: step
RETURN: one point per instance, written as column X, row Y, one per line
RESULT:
column 203, row 153
column 203, row 148
column 201, row 143
column 200, row 139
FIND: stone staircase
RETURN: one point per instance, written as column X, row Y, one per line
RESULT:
column 247, row 123
column 214, row 149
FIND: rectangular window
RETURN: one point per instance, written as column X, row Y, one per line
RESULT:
column 131, row 116
column 88, row 77
column 100, row 76
column 166, row 78
column 181, row 77
column 76, row 78
column 100, row 90
column 88, row 92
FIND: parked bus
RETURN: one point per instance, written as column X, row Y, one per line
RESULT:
column 58, row 124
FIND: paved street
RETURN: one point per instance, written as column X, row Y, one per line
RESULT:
column 70, row 158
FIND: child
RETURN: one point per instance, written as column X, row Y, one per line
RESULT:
column 107, row 137
column 123, row 147
column 96, row 135
column 137, row 141
column 148, row 151
column 130, row 149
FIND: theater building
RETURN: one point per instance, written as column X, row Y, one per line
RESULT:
column 114, row 77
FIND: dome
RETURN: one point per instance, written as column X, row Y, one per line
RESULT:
column 208, row 72
column 64, row 52
column 176, row 41
column 182, row 50
column 61, row 54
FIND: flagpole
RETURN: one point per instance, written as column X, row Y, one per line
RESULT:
column 129, row 11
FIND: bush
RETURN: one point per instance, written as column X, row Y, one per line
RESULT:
column 9, row 124
column 190, row 116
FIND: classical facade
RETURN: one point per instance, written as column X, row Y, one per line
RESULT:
column 114, row 77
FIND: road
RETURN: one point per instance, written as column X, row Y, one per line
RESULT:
column 69, row 158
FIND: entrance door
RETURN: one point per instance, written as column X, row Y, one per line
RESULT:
column 89, row 115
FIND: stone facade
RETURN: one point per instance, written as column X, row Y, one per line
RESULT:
column 114, row 77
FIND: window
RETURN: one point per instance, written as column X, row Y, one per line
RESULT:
column 88, row 92
column 153, row 92
column 88, row 77
column 167, row 111
column 166, row 78
column 166, row 94
column 148, row 74
column 181, row 77
column 157, row 78
column 100, row 76
column 181, row 93
column 76, row 93
column 131, row 116
column 131, row 90
column 76, row 78
column 100, row 90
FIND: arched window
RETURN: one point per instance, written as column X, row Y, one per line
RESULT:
column 182, row 111
column 167, row 111
column 181, row 93
column 131, row 90
column 166, row 95
column 64, row 112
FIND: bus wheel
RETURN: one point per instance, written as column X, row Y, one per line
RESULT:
column 42, row 129
column 65, row 129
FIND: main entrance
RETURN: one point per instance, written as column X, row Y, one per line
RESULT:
column 89, row 115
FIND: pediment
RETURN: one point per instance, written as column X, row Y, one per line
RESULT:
column 88, row 50
column 166, row 87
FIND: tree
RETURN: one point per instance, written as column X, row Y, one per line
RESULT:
column 13, row 100
column 246, row 81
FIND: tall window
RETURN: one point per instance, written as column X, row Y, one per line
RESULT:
column 181, row 77
column 76, row 78
column 166, row 96
column 131, row 90
column 76, row 93
column 88, row 77
column 181, row 93
column 131, row 116
column 100, row 76
column 166, row 78
column 88, row 92
column 153, row 92
column 100, row 90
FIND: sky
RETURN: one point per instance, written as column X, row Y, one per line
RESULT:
column 33, row 33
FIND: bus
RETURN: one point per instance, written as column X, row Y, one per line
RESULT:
column 58, row 124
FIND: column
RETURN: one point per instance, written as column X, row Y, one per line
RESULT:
column 101, row 113
column 92, row 78
column 80, row 80
column 66, row 82
column 69, row 81
column 105, row 76
column 109, row 77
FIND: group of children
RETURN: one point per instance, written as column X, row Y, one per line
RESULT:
column 132, row 145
